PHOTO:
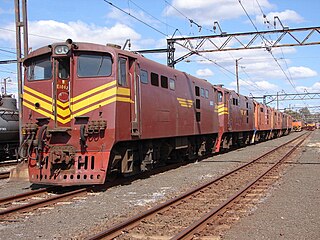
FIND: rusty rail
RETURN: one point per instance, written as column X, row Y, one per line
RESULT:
column 25, row 195
column 192, row 229
column 39, row 203
column 116, row 229
column 9, row 164
column 4, row 175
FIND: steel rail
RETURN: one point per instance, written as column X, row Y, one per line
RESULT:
column 43, row 202
column 116, row 229
column 8, row 164
column 25, row 195
column 4, row 175
column 188, row 232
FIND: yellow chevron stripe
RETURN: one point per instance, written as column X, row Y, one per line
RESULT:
column 93, row 99
column 223, row 110
column 92, row 91
column 45, row 97
column 43, row 104
column 223, row 113
column 185, row 102
column 39, row 94
column 220, row 106
column 185, row 105
column 124, row 99
column 101, row 96
column 123, row 91
column 63, row 105
column 63, row 121
column 106, row 102
column 63, row 112
column 32, row 107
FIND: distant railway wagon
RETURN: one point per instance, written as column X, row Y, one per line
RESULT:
column 93, row 111
column 297, row 126
column 9, row 127
column 310, row 126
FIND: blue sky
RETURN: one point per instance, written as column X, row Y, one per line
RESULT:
column 97, row 21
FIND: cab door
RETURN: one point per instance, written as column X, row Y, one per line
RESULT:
column 129, row 80
column 134, row 74
column 61, row 92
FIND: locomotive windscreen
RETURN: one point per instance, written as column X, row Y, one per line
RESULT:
column 90, row 65
column 39, row 68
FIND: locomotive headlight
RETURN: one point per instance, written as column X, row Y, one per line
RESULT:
column 61, row 49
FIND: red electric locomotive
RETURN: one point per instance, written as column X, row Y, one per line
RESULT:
column 91, row 112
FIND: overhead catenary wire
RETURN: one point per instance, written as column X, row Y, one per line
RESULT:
column 32, row 34
column 159, row 20
column 270, row 51
column 7, row 51
column 283, row 57
column 191, row 21
column 136, row 18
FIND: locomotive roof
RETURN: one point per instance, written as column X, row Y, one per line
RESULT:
column 114, row 50
column 80, row 46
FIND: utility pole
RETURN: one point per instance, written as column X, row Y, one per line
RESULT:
column 21, row 24
column 237, row 74
column 4, row 89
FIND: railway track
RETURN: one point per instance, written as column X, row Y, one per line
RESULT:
column 5, row 167
column 201, row 211
column 8, row 163
column 35, row 199
column 32, row 200
column 4, row 175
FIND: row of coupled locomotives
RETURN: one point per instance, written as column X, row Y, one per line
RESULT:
column 92, row 112
column 299, row 125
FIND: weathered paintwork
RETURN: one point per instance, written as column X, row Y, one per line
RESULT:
column 79, row 130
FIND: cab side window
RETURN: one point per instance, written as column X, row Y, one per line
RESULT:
column 172, row 84
column 154, row 79
column 122, row 77
column 144, row 76
column 219, row 96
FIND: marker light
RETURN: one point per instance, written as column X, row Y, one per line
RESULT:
column 61, row 49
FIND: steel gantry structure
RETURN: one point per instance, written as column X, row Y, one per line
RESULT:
column 239, row 41
column 288, row 96
column 285, row 37
column 22, row 49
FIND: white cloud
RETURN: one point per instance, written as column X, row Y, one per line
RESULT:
column 265, row 85
column 47, row 31
column 314, row 88
column 255, row 85
column 207, row 11
column 204, row 73
column 6, row 11
column 287, row 16
column 301, row 72
column 121, row 17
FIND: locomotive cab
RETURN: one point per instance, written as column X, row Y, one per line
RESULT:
column 69, row 100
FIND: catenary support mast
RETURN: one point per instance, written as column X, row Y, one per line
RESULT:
column 21, row 29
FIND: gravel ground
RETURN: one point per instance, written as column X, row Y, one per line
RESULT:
column 292, row 210
column 73, row 219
